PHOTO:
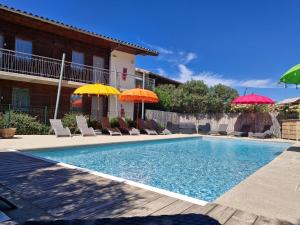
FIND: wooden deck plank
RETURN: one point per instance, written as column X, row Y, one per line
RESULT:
column 240, row 217
column 73, row 197
column 118, row 193
column 118, row 208
column 221, row 213
column 151, row 207
column 198, row 209
column 176, row 207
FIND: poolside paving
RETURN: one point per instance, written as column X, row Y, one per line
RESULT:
column 273, row 191
column 46, row 191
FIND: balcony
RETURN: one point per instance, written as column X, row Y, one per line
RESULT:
column 27, row 67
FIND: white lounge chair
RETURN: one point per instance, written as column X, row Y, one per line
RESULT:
column 83, row 127
column 58, row 128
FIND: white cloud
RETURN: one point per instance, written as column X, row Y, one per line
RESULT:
column 160, row 49
column 190, row 56
column 264, row 83
column 161, row 71
column 210, row 78
column 173, row 56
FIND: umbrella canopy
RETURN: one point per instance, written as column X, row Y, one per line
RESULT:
column 96, row 89
column 253, row 99
column 138, row 95
column 292, row 76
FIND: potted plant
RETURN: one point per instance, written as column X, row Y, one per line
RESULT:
column 5, row 130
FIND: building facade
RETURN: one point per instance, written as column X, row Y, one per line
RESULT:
column 31, row 49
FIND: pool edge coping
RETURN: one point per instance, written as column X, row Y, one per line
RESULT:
column 120, row 180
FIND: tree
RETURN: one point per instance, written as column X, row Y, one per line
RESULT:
column 222, row 96
column 194, row 97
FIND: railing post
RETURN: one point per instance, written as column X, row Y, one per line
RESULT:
column 45, row 114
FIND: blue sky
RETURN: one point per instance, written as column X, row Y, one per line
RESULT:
column 238, row 43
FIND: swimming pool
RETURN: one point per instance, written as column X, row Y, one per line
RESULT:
column 202, row 168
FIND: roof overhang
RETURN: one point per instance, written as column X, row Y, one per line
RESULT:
column 44, row 24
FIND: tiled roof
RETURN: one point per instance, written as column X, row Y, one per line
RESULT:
column 47, row 20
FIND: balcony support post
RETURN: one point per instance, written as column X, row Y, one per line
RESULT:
column 116, row 86
column 59, row 84
column 143, row 104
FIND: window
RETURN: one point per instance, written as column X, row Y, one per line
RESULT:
column 77, row 60
column 21, row 99
column 23, row 48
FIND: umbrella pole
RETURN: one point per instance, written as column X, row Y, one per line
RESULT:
column 98, row 107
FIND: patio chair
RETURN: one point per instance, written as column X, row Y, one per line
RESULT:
column 222, row 130
column 106, row 127
column 145, row 129
column 58, row 128
column 83, row 127
column 154, row 126
column 245, row 129
column 124, row 128
column 265, row 133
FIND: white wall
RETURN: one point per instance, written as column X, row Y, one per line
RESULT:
column 118, row 61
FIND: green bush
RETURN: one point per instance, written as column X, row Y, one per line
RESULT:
column 69, row 120
column 94, row 124
column 130, row 122
column 114, row 122
column 24, row 123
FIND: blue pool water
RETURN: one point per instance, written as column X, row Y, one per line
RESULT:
column 202, row 168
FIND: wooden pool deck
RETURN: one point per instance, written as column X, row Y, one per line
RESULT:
column 46, row 191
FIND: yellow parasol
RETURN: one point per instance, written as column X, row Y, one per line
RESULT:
column 96, row 89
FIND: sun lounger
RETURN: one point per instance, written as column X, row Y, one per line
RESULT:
column 172, row 127
column 265, row 133
column 145, row 129
column 187, row 128
column 124, row 128
column 83, row 127
column 222, row 130
column 243, row 132
column 58, row 128
column 154, row 126
column 203, row 128
column 106, row 127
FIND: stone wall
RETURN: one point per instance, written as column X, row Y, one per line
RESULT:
column 234, row 120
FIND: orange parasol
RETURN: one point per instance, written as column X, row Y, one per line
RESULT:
column 138, row 95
